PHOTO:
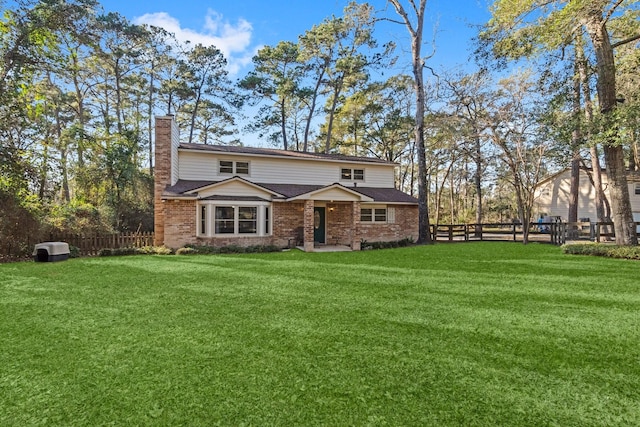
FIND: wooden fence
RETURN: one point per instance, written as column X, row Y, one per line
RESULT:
column 555, row 232
column 90, row 245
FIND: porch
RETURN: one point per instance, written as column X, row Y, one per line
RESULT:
column 331, row 226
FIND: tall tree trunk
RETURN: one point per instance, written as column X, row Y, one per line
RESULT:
column 150, row 119
column 283, row 124
column 334, row 105
column 600, row 198
column 477, row 180
column 424, row 235
column 312, row 110
column 576, row 140
column 613, row 152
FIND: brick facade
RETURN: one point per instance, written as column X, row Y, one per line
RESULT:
column 288, row 224
column 289, row 230
column 176, row 220
column 404, row 226
column 181, row 229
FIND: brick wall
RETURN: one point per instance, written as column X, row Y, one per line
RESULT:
column 406, row 225
column 339, row 223
column 288, row 224
column 181, row 230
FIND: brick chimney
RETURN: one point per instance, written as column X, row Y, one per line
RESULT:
column 166, row 169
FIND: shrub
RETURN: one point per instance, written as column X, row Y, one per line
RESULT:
column 603, row 250
column 74, row 251
column 186, row 251
column 230, row 249
column 146, row 250
column 407, row 241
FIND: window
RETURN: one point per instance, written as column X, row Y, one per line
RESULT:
column 380, row 215
column 229, row 167
column 637, row 190
column 225, row 220
column 373, row 215
column 348, row 174
column 242, row 168
column 247, row 220
column 226, row 167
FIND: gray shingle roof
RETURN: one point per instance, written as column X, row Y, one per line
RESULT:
column 381, row 195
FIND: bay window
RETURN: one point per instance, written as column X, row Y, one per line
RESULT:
column 226, row 219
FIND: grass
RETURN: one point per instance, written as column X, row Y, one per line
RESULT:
column 462, row 334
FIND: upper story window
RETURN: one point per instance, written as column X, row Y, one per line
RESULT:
column 349, row 174
column 230, row 167
column 637, row 192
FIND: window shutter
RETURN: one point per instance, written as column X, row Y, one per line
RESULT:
column 391, row 215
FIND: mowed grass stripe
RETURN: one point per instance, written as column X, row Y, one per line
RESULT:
column 471, row 334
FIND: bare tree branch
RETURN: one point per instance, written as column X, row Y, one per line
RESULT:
column 625, row 41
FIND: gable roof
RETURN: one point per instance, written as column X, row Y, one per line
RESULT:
column 290, row 191
column 272, row 152
column 341, row 190
column 233, row 179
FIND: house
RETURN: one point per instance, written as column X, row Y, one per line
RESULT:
column 229, row 195
column 552, row 195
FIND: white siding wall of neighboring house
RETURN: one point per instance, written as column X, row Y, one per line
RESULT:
column 204, row 166
column 553, row 196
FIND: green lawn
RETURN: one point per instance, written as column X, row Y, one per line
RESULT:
column 461, row 334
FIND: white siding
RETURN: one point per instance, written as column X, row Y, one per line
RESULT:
column 175, row 142
column 335, row 194
column 235, row 188
column 553, row 196
column 204, row 166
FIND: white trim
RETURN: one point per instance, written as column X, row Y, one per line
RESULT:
column 373, row 161
column 373, row 214
column 234, row 167
column 352, row 174
column 310, row 195
column 210, row 218
column 229, row 180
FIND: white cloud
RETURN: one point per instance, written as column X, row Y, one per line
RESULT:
column 233, row 40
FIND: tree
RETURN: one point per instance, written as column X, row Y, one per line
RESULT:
column 276, row 78
column 522, row 29
column 415, row 27
column 469, row 98
column 204, row 70
column 515, row 129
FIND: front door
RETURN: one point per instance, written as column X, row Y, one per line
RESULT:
column 319, row 225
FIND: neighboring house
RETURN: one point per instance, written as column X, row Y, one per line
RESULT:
column 552, row 195
column 229, row 195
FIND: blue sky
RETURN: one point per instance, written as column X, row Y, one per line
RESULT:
column 239, row 28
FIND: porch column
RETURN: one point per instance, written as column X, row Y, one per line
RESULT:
column 308, row 225
column 356, row 236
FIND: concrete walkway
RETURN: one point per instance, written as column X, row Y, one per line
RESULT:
column 328, row 248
